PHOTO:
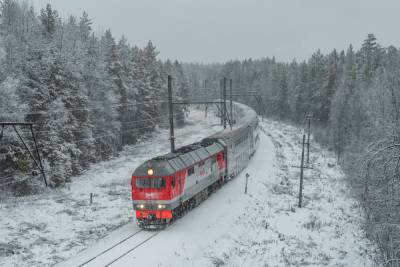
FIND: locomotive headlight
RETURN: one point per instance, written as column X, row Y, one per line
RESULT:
column 140, row 206
column 150, row 171
column 161, row 206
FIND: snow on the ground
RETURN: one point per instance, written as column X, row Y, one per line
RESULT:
column 264, row 227
column 44, row 229
column 272, row 231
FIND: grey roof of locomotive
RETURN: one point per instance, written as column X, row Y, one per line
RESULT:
column 183, row 158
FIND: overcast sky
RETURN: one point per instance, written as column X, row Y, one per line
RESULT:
column 220, row 30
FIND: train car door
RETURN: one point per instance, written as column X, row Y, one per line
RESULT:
column 213, row 168
column 180, row 181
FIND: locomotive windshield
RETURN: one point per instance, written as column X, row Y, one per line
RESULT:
column 150, row 182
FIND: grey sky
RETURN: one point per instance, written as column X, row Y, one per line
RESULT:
column 219, row 30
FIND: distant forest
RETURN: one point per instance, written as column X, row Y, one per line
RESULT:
column 354, row 99
column 87, row 94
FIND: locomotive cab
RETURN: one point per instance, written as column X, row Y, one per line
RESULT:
column 151, row 197
column 152, row 187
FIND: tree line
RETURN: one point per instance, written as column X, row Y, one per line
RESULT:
column 87, row 94
column 354, row 98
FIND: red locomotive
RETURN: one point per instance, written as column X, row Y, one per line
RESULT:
column 166, row 187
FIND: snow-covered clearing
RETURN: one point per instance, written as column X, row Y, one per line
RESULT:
column 264, row 227
column 44, row 229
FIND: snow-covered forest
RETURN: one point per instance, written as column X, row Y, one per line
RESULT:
column 353, row 97
column 87, row 93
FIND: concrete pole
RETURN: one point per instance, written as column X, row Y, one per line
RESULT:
column 171, row 115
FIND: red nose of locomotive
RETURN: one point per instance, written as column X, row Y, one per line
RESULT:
column 151, row 194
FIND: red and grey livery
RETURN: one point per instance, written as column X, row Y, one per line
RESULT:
column 165, row 187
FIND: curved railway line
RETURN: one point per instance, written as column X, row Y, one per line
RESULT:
column 238, row 147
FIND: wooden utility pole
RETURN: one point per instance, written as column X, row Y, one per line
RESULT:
column 301, row 173
column 308, row 137
column 171, row 115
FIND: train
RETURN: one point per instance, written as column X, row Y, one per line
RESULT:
column 164, row 188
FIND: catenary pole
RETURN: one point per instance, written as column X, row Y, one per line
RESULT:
column 171, row 115
column 221, row 101
column 224, row 110
column 230, row 104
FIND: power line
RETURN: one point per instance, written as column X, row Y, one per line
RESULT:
column 97, row 137
column 151, row 99
column 85, row 109
column 123, row 122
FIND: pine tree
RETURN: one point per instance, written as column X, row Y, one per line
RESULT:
column 147, row 83
column 85, row 27
column 49, row 19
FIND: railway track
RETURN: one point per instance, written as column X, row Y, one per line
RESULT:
column 119, row 250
